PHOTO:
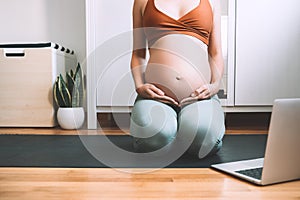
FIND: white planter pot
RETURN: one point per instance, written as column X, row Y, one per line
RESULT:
column 70, row 118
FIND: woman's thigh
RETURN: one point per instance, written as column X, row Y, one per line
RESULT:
column 153, row 124
column 204, row 121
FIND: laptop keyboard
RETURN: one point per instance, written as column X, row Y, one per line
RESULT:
column 254, row 173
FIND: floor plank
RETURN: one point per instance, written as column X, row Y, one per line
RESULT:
column 106, row 131
column 59, row 131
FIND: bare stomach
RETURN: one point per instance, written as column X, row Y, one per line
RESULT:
column 178, row 65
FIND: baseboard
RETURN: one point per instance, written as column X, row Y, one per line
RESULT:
column 233, row 121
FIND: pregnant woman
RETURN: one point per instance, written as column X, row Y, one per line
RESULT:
column 178, row 82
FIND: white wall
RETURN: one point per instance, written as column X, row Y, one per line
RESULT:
column 23, row 20
column 60, row 21
column 66, row 24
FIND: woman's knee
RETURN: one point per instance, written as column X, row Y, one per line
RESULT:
column 207, row 140
column 153, row 125
column 212, row 142
column 205, row 122
column 156, row 139
column 199, row 133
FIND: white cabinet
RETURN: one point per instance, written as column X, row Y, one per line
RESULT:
column 267, row 51
column 115, row 86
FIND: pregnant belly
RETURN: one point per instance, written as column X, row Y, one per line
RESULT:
column 176, row 75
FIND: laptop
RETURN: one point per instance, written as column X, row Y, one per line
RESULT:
column 282, row 160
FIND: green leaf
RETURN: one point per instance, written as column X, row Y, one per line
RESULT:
column 78, row 84
column 64, row 92
column 75, row 98
column 70, row 83
column 78, row 71
column 72, row 74
column 77, row 90
column 57, row 97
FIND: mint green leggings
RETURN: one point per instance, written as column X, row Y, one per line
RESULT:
column 155, row 125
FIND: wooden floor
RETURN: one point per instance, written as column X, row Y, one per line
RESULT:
column 73, row 184
column 105, row 183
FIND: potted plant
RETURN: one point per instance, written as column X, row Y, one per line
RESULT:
column 68, row 95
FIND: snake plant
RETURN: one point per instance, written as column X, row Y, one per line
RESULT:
column 69, row 93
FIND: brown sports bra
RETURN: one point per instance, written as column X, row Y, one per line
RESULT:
column 197, row 22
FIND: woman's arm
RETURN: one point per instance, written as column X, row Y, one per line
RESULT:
column 215, row 59
column 138, row 58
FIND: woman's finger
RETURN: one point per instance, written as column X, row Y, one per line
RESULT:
column 156, row 90
column 167, row 99
column 203, row 92
column 199, row 91
column 188, row 100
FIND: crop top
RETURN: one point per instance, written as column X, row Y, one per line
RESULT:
column 197, row 22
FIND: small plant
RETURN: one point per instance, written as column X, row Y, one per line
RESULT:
column 69, row 93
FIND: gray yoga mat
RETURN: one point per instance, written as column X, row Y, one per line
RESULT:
column 68, row 151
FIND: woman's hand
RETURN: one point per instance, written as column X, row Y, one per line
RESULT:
column 150, row 91
column 204, row 92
